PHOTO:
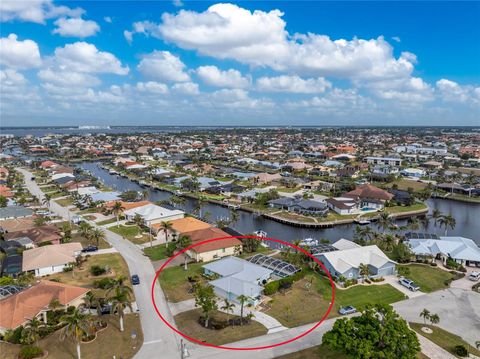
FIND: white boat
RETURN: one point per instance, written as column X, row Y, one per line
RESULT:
column 362, row 222
column 309, row 242
column 260, row 233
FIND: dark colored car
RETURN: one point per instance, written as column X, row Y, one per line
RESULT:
column 135, row 279
column 90, row 249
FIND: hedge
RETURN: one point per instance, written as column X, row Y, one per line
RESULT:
column 30, row 352
column 273, row 287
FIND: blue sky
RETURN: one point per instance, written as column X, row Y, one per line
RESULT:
column 246, row 63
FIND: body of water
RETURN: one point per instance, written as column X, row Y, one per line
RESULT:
column 467, row 215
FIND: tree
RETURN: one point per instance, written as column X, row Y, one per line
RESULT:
column 250, row 245
column 138, row 220
column 425, row 222
column 120, row 300
column 228, row 307
column 205, row 299
column 242, row 299
column 379, row 332
column 31, row 331
column 425, row 314
column 447, row 221
column 166, row 227
column 46, row 200
column 183, row 242
column 97, row 235
column 39, row 221
column 3, row 201
column 91, row 301
column 384, row 221
column 434, row 319
column 117, row 208
column 85, row 229
column 401, row 253
column 363, row 270
column 414, row 223
column 477, row 344
column 77, row 326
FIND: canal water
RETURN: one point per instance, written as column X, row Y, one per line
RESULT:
column 467, row 215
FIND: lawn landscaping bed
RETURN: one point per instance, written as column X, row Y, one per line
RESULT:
column 427, row 277
column 174, row 281
column 444, row 339
column 130, row 232
column 156, row 253
column 109, row 342
column 188, row 323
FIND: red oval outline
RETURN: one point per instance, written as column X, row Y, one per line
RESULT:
column 316, row 325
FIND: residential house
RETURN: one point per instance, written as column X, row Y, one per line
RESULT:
column 413, row 172
column 38, row 235
column 300, row 205
column 151, row 213
column 13, row 212
column 34, row 301
column 391, row 161
column 50, row 259
column 371, row 197
column 343, row 205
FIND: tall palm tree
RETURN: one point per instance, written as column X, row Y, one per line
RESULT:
column 242, row 299
column 414, row 223
column 167, row 228
column 425, row 222
column 77, row 326
column 447, row 221
column 425, row 314
column 388, row 242
column 91, row 301
column 138, row 220
column 117, row 208
column 363, row 270
column 31, row 331
column 85, row 229
column 384, row 221
column 228, row 307
column 46, row 200
column 436, row 215
column 97, row 235
column 121, row 300
column 434, row 319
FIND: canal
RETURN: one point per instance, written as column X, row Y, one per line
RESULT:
column 467, row 215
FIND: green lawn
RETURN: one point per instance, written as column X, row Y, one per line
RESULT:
column 427, row 277
column 130, row 233
column 156, row 253
column 65, row 202
column 187, row 322
column 107, row 221
column 401, row 209
column 444, row 339
column 404, row 184
column 174, row 281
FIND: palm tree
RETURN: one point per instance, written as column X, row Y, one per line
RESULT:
column 31, row 331
column 91, row 300
column 97, row 235
column 425, row 221
column 85, row 229
column 388, row 242
column 166, row 227
column 228, row 307
column 145, row 194
column 413, row 223
column 436, row 215
column 138, row 220
column 242, row 299
column 384, row 221
column 117, row 208
column 77, row 326
column 46, row 200
column 121, row 300
column 477, row 344
column 363, row 270
column 447, row 221
column 434, row 319
column 425, row 314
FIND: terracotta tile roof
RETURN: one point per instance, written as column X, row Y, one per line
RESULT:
column 5, row 191
column 129, row 205
column 183, row 225
column 210, row 233
column 51, row 255
column 18, row 224
column 19, row 308
column 37, row 234
column 369, row 191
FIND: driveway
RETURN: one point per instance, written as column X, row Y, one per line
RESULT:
column 393, row 281
column 458, row 309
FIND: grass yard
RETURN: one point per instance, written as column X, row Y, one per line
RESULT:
column 83, row 278
column 130, row 232
column 156, row 253
column 174, row 281
column 288, row 189
column 77, row 237
column 320, row 352
column 427, row 277
column 187, row 322
column 402, row 209
column 65, row 202
column 404, row 184
column 444, row 339
column 110, row 342
column 107, row 221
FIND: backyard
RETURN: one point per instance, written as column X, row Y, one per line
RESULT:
column 427, row 277
column 174, row 281
column 109, row 343
column 188, row 323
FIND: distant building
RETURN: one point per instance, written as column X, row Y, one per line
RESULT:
column 50, row 259
column 391, row 161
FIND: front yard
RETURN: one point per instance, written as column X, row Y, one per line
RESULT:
column 427, row 277
column 130, row 233
column 187, row 322
column 65, row 202
column 174, row 281
column 109, row 342
column 156, row 253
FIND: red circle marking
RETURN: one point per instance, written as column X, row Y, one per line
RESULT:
column 316, row 325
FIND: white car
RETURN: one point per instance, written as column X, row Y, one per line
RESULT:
column 474, row 276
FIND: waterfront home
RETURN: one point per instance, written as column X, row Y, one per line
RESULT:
column 127, row 205
column 371, row 197
column 13, row 212
column 413, row 172
column 34, row 301
column 151, row 213
column 462, row 250
column 50, row 259
column 48, row 164
column 38, row 235
column 183, row 225
column 250, row 195
column 402, row 198
column 346, row 262
column 343, row 205
column 300, row 205
column 318, row 186
column 391, row 161
column 418, row 149
column 237, row 277
column 215, row 249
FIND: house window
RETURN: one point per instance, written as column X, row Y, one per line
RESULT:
column 350, row 275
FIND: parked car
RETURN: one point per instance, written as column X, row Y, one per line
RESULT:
column 135, row 279
column 32, row 178
column 43, row 213
column 407, row 283
column 76, row 219
column 347, row 310
column 474, row 276
column 90, row 249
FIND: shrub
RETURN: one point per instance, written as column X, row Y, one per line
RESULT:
column 271, row 288
column 433, row 264
column 376, row 280
column 14, row 336
column 460, row 350
column 97, row 270
column 103, row 283
column 30, row 352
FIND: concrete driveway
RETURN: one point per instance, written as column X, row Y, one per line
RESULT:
column 459, row 311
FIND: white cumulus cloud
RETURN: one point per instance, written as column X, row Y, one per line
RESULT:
column 293, row 84
column 164, row 66
column 19, row 54
column 34, row 10
column 76, row 27
column 213, row 76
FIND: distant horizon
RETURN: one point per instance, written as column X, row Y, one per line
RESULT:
column 243, row 126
